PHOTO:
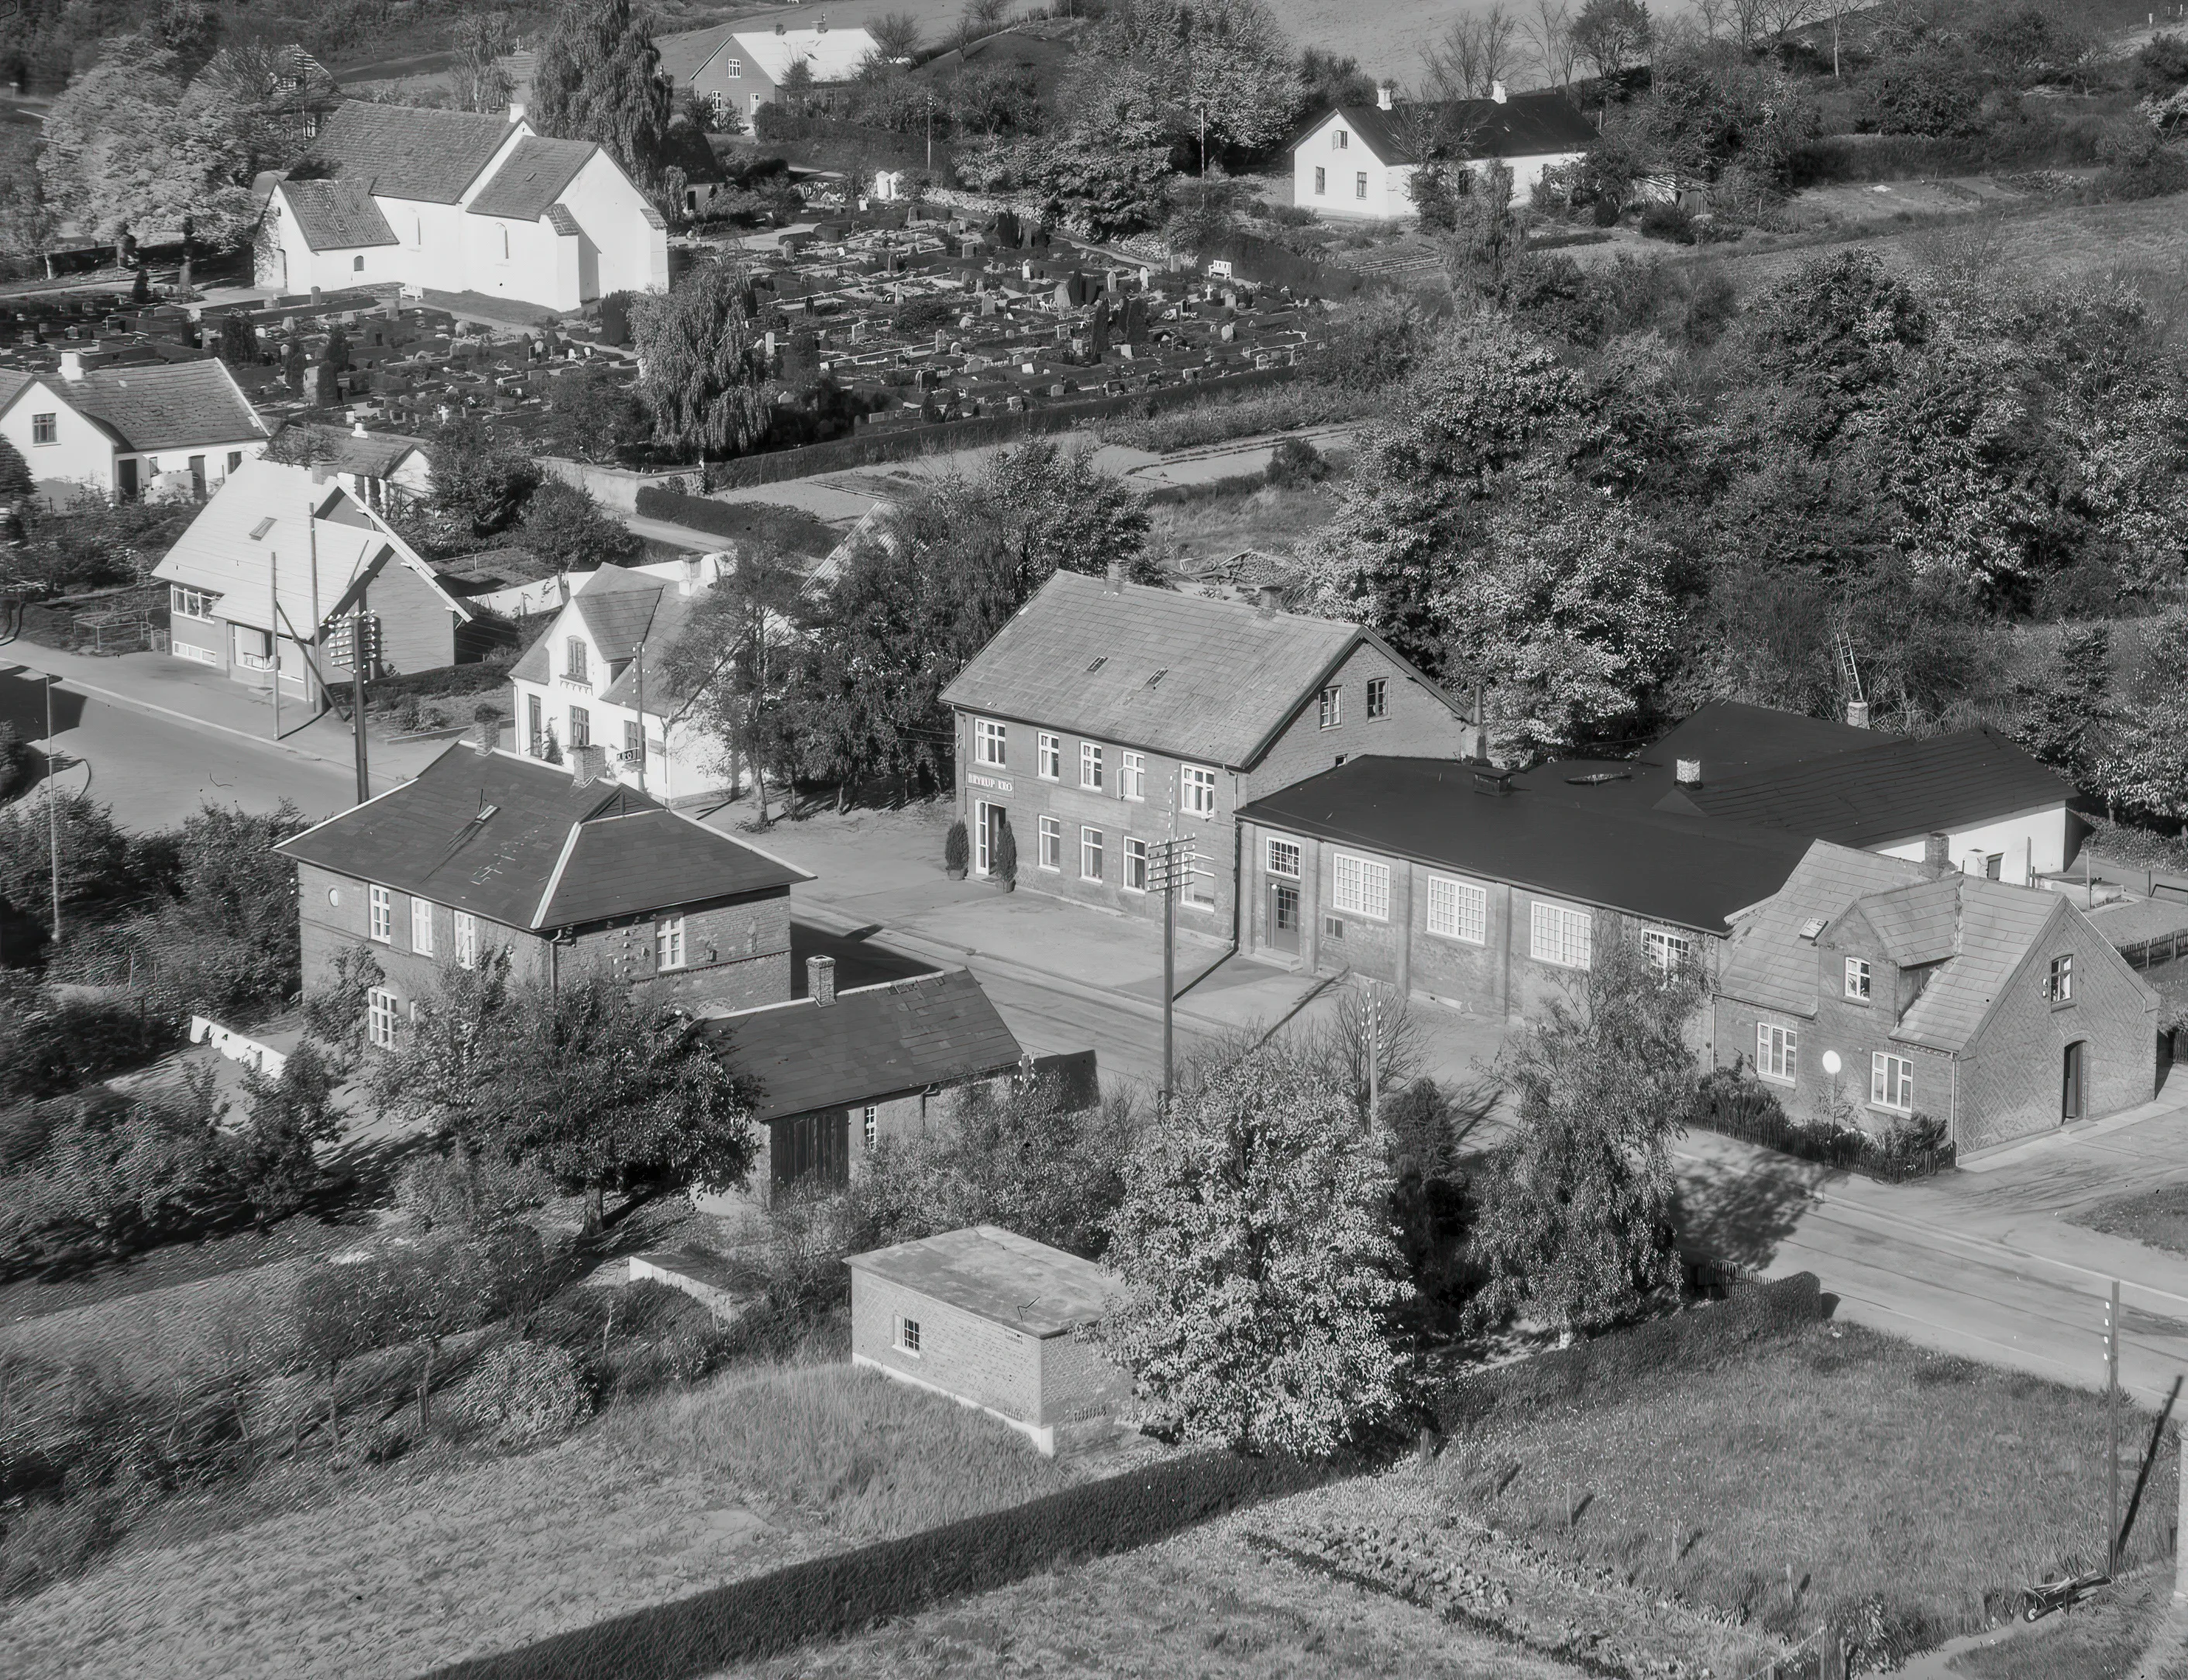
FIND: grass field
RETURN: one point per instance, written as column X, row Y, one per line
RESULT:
column 1837, row 1475
column 2103, row 1641
column 2158, row 1217
column 409, row 1568
column 1205, row 1604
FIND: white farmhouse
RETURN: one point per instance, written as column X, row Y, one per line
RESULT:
column 739, row 70
column 1359, row 159
column 171, row 430
column 460, row 201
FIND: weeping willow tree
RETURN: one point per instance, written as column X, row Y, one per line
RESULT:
column 599, row 78
column 702, row 370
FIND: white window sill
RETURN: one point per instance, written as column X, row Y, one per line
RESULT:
column 1785, row 1079
column 1886, row 1108
column 1481, row 943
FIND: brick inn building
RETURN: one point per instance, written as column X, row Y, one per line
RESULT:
column 1107, row 716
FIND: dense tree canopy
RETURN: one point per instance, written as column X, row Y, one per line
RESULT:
column 598, row 78
column 702, row 370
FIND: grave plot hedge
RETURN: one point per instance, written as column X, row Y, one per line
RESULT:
column 826, row 1598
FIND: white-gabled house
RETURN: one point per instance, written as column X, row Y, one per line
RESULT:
column 1359, row 159
column 384, row 470
column 739, row 70
column 275, row 560
column 598, row 677
column 460, row 201
column 171, row 430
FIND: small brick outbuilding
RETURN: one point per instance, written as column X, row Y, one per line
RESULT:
column 992, row 1320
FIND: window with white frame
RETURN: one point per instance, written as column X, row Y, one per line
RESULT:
column 1090, row 854
column 1051, row 844
column 668, row 942
column 1049, row 757
column 1858, row 979
column 870, row 1124
column 1284, row 858
column 1321, row 181
column 381, row 1013
column 1458, row 910
column 1360, row 886
column 1892, row 1082
column 1378, row 697
column 1559, row 934
column 1196, row 791
column 1668, row 950
column 1360, row 185
column 191, row 603
column 1136, row 865
column 581, row 727
column 381, row 914
column 1135, row 777
column 988, row 743
column 907, row 1336
column 1333, row 707
column 2059, row 984
column 1777, row 1052
column 46, row 428
column 1341, row 139
column 734, row 69
column 421, row 926
column 1090, row 765
column 465, row 929
column 574, row 665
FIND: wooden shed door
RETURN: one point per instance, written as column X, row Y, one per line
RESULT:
column 818, row 1145
column 2072, row 1078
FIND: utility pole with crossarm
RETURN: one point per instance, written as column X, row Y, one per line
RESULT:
column 1170, row 866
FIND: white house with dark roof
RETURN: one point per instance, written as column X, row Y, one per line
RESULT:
column 384, row 470
column 598, row 677
column 1868, row 989
column 460, row 201
column 174, row 430
column 1107, row 716
column 1360, row 159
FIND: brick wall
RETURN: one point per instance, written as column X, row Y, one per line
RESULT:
column 2012, row 1080
column 1416, row 725
column 1077, row 1383
column 960, row 1353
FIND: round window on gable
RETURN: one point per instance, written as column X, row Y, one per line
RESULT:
column 334, row 895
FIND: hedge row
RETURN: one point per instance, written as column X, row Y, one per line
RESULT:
column 1694, row 1337
column 483, row 676
column 1264, row 262
column 927, row 440
column 827, row 1597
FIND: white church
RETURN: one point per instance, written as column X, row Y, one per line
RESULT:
column 459, row 201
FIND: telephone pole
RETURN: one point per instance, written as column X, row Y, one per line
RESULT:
column 354, row 641
column 52, row 807
column 2112, row 1431
column 1170, row 864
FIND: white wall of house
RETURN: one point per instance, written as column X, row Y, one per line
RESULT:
column 2041, row 842
column 1526, row 170
column 1335, row 172
column 66, row 453
column 285, row 261
column 682, row 760
column 632, row 253
column 507, row 258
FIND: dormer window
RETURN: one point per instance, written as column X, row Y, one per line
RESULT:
column 2059, row 984
column 1857, row 980
column 574, row 662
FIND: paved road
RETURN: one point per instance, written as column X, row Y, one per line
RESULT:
column 154, row 771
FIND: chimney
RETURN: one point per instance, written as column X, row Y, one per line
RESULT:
column 485, row 736
column 1497, row 92
column 1858, row 714
column 821, row 980
column 1115, row 582
column 517, row 110
column 588, row 765
column 1494, row 782
column 688, row 583
column 322, row 471
column 1937, row 854
column 1383, row 92
column 1268, row 600
column 71, row 364
column 1689, row 772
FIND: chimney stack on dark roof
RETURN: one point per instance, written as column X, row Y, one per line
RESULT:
column 1115, row 581
column 1689, row 772
column 821, row 979
column 485, row 736
column 1858, row 714
column 1937, row 854
column 588, row 765
column 1268, row 600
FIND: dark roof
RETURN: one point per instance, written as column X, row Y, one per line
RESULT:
column 336, row 214
column 1520, row 125
column 1209, row 680
column 164, row 407
column 999, row 1276
column 1891, row 791
column 531, row 178
column 493, row 569
column 409, row 151
column 371, row 454
column 552, row 854
column 1681, row 870
column 871, row 1043
column 1733, row 739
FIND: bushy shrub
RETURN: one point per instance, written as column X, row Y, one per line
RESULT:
column 470, row 1191
column 1375, row 342
column 1934, row 91
column 2162, row 66
column 1295, row 463
column 1661, row 219
column 524, row 1393
column 615, row 318
column 957, row 849
column 1731, row 1101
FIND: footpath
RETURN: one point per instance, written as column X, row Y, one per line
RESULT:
column 208, row 703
